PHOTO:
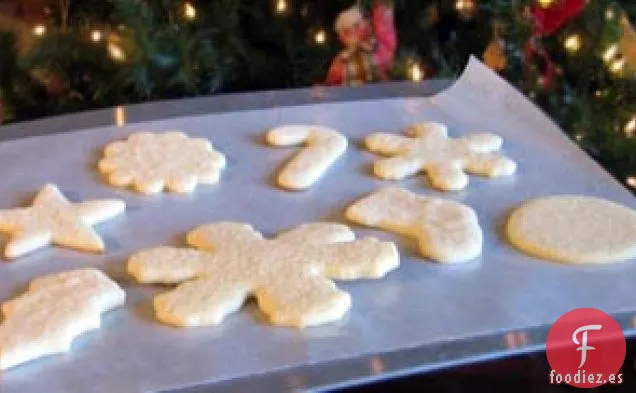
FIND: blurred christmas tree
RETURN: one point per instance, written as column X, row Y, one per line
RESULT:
column 575, row 58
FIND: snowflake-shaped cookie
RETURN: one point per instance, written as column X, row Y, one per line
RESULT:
column 428, row 148
column 52, row 219
column 151, row 162
column 288, row 275
column 56, row 308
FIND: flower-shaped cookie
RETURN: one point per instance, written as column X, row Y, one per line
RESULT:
column 151, row 162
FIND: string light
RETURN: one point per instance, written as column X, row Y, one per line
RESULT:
column 120, row 116
column 39, row 30
column 320, row 37
column 573, row 43
column 578, row 137
column 617, row 65
column 610, row 14
column 116, row 52
column 189, row 11
column 465, row 7
column 545, row 3
column 96, row 36
column 281, row 6
column 610, row 53
column 631, row 181
column 415, row 72
column 630, row 128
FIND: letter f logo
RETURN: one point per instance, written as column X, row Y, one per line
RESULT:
column 584, row 347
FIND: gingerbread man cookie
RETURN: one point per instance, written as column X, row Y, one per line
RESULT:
column 288, row 275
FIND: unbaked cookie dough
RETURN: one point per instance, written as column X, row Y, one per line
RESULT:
column 574, row 229
column 289, row 275
column 53, row 312
column 151, row 162
column 323, row 146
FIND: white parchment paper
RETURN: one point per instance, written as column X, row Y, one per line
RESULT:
column 419, row 304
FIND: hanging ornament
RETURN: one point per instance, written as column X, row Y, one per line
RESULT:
column 627, row 44
column 495, row 54
column 548, row 20
column 534, row 51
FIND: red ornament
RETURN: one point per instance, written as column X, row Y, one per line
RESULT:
column 533, row 50
column 548, row 20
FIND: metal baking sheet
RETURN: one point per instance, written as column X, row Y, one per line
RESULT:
column 420, row 304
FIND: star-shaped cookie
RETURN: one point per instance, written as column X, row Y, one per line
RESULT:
column 52, row 219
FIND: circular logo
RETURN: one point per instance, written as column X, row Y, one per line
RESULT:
column 586, row 349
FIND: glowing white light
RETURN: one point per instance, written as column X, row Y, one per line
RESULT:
column 96, row 36
column 189, row 11
column 39, row 30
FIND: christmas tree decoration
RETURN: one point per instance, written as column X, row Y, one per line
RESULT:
column 369, row 45
column 466, row 8
column 575, row 59
column 415, row 72
column 320, row 37
column 495, row 55
column 630, row 128
column 545, row 3
column 96, row 36
column 189, row 11
column 573, row 43
column 39, row 30
column 281, row 6
column 550, row 19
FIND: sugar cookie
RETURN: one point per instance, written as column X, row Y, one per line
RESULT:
column 574, row 229
column 323, row 146
column 54, row 220
column 288, row 275
column 446, row 231
column 151, row 162
column 53, row 312
column 428, row 148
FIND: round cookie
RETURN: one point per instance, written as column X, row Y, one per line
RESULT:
column 574, row 229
